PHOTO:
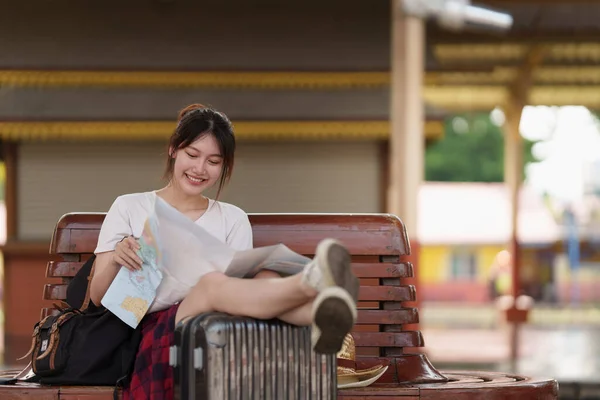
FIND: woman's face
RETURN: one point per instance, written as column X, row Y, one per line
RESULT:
column 198, row 167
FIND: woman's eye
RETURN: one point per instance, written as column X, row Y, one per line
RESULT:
column 214, row 162
column 190, row 155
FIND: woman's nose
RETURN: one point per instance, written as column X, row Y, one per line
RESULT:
column 200, row 168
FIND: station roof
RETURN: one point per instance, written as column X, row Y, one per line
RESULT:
column 465, row 71
column 472, row 70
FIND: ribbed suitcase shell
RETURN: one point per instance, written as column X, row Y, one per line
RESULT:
column 217, row 356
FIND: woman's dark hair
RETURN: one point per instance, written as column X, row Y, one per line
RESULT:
column 196, row 121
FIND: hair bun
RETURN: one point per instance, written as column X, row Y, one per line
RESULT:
column 190, row 108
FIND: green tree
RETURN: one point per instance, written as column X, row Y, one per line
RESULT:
column 472, row 150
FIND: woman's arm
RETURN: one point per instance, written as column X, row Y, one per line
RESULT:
column 105, row 270
column 115, row 249
column 108, row 264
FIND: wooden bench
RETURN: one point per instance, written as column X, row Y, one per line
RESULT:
column 379, row 247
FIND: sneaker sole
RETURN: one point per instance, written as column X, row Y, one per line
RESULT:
column 338, row 266
column 334, row 315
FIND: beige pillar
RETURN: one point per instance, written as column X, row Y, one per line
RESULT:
column 513, row 176
column 513, row 166
column 407, row 142
column 406, row 149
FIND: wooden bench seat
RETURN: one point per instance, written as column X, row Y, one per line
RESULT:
column 379, row 247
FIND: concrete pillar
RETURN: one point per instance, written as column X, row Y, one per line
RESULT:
column 407, row 115
column 406, row 145
column 513, row 176
column 519, row 92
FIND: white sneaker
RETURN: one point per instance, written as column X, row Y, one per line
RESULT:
column 332, row 266
column 334, row 315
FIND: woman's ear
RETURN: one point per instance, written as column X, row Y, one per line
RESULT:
column 171, row 152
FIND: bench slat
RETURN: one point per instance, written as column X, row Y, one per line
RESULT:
column 383, row 270
column 62, row 269
column 385, row 339
column 75, row 241
column 88, row 393
column 359, row 243
column 376, row 243
column 371, row 234
column 385, row 317
column 22, row 391
column 55, row 291
column 66, row 269
column 58, row 291
column 387, row 293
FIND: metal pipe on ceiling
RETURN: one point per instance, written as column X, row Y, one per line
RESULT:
column 459, row 14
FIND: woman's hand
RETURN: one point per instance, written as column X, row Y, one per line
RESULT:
column 125, row 254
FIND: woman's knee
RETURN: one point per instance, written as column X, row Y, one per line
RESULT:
column 210, row 283
column 212, row 277
column 199, row 299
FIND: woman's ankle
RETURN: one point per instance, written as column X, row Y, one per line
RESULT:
column 309, row 290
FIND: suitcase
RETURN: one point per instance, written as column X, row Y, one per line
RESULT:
column 217, row 356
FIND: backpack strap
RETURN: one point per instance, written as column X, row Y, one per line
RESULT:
column 86, row 300
column 78, row 288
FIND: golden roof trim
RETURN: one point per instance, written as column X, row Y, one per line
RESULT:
column 486, row 97
column 204, row 79
column 548, row 75
column 285, row 80
column 245, row 130
column 506, row 52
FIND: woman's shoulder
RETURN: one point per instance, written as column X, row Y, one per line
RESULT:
column 132, row 200
column 136, row 197
column 230, row 210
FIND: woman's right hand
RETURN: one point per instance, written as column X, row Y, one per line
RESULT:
column 125, row 254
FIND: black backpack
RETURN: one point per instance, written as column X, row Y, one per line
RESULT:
column 83, row 344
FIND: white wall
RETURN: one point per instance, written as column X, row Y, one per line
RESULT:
column 56, row 178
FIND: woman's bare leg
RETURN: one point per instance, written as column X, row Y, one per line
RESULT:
column 301, row 315
column 256, row 298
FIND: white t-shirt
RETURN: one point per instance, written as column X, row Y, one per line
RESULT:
column 129, row 212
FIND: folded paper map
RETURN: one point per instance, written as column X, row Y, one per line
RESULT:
column 132, row 292
column 176, row 253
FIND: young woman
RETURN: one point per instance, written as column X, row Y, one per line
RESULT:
column 201, row 155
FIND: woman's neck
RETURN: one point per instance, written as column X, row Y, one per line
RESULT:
column 181, row 201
